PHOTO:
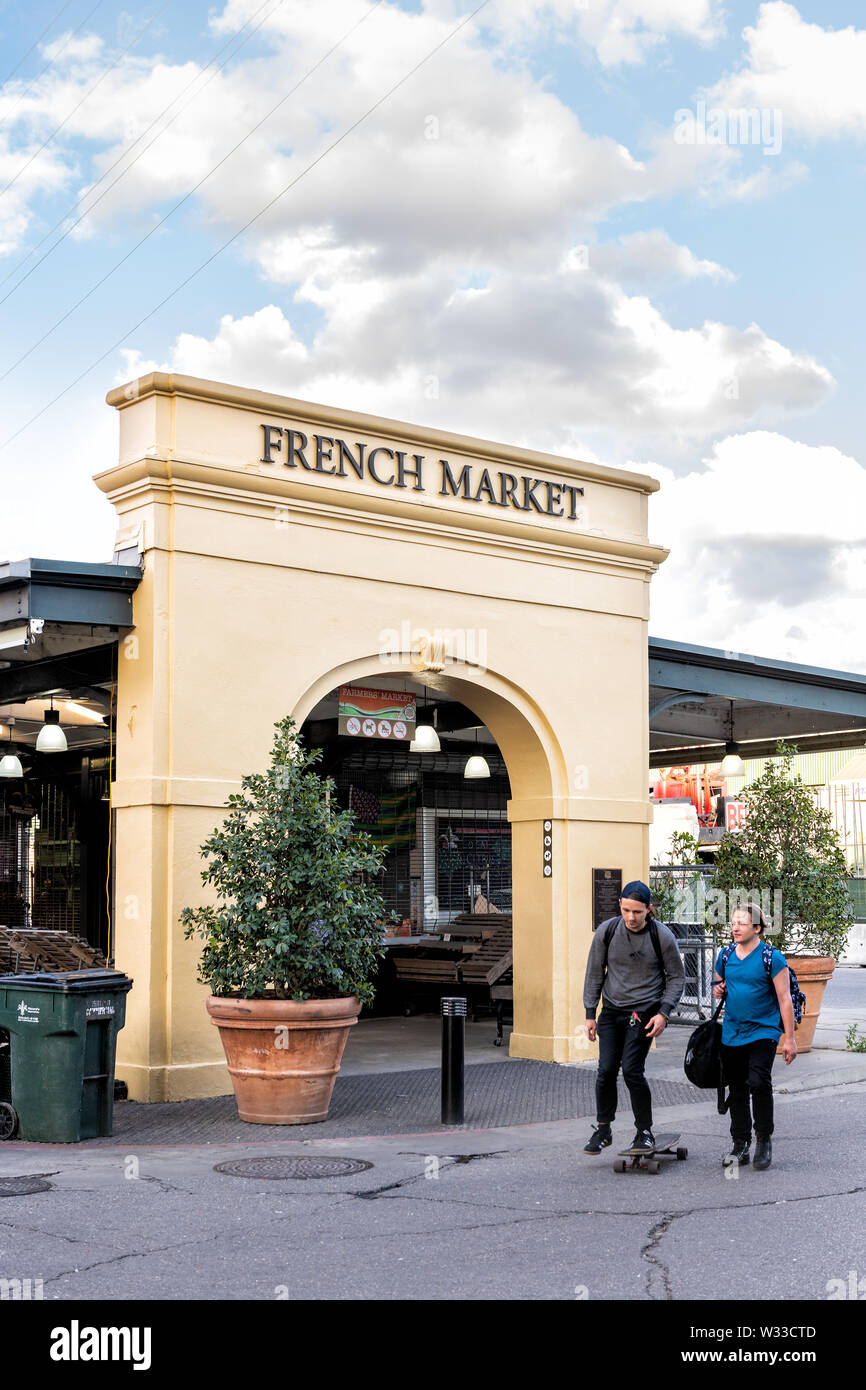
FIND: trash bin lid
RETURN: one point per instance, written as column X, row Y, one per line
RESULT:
column 69, row 980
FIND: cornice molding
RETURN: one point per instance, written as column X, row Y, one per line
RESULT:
column 169, row 384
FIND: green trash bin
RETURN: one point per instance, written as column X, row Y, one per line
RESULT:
column 62, row 1030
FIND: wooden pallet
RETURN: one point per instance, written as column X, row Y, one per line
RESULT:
column 24, row 950
column 491, row 961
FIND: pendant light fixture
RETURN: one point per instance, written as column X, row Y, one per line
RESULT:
column 732, row 763
column 426, row 739
column 51, row 738
column 10, row 764
column 476, row 766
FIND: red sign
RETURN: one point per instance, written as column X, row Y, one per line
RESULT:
column 736, row 815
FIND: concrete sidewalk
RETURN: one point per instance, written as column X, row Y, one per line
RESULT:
column 378, row 1095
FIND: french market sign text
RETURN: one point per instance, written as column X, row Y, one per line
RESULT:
column 322, row 453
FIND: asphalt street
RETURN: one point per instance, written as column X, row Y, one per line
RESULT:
column 511, row 1213
column 516, row 1213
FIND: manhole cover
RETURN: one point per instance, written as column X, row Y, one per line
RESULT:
column 20, row 1187
column 308, row 1166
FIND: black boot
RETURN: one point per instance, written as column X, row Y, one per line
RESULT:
column 763, row 1154
column 739, row 1154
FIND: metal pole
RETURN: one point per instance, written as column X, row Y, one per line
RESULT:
column 453, row 1020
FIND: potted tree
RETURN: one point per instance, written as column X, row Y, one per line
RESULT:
column 789, row 851
column 294, row 938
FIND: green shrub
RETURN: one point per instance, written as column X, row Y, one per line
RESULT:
column 296, row 915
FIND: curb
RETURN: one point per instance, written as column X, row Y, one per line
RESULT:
column 840, row 1076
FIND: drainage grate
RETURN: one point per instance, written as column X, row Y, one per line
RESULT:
column 280, row 1166
column 21, row 1187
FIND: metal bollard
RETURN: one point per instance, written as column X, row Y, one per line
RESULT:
column 453, row 1021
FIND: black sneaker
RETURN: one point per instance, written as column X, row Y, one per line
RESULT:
column 643, row 1141
column 601, row 1139
column 739, row 1154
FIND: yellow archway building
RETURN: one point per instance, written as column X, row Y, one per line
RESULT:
column 284, row 545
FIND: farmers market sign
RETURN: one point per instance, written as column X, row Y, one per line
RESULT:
column 365, row 713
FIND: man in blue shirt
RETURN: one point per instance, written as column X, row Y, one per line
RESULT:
column 757, row 1013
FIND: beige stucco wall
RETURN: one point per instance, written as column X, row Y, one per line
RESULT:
column 265, row 587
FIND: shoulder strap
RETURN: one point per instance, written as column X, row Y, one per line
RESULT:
column 654, row 938
column 727, row 952
column 608, row 938
column 767, row 953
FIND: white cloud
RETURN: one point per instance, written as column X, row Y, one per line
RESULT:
column 70, row 49
column 532, row 358
column 471, row 157
column 46, row 173
column 651, row 258
column 768, row 551
column 814, row 76
column 618, row 31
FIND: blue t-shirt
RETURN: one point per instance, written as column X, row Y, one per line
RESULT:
column 752, row 1005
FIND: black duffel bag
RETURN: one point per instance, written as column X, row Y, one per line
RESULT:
column 702, row 1063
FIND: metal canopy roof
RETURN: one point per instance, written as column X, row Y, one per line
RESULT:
column 700, row 697
column 55, row 607
column 60, row 621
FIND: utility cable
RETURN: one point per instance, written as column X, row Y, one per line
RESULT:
column 186, row 197
column 129, row 148
column 34, row 44
column 42, row 71
column 89, row 92
column 232, row 239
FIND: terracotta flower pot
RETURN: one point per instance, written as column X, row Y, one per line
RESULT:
column 812, row 973
column 283, row 1054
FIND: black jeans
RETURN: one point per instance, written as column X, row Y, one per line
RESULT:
column 621, row 1045
column 748, row 1073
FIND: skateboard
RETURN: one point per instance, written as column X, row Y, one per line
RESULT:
column 650, row 1161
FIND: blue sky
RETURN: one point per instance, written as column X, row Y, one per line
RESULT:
column 520, row 222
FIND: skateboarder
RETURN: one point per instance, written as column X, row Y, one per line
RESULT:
column 635, row 962
column 758, row 1010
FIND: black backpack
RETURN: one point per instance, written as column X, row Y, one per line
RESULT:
column 703, row 1060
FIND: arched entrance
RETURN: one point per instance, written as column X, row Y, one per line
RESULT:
column 290, row 548
column 536, row 774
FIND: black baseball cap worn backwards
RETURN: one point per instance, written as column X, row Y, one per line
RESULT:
column 637, row 891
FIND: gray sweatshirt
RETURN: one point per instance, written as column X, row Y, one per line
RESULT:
column 633, row 979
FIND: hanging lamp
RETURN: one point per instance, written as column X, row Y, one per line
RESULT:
column 476, row 766
column 10, row 764
column 51, row 738
column 732, row 763
column 426, row 739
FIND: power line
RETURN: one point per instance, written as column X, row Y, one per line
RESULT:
column 34, row 44
column 42, row 71
column 88, row 93
column 155, row 228
column 96, row 201
column 267, row 207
